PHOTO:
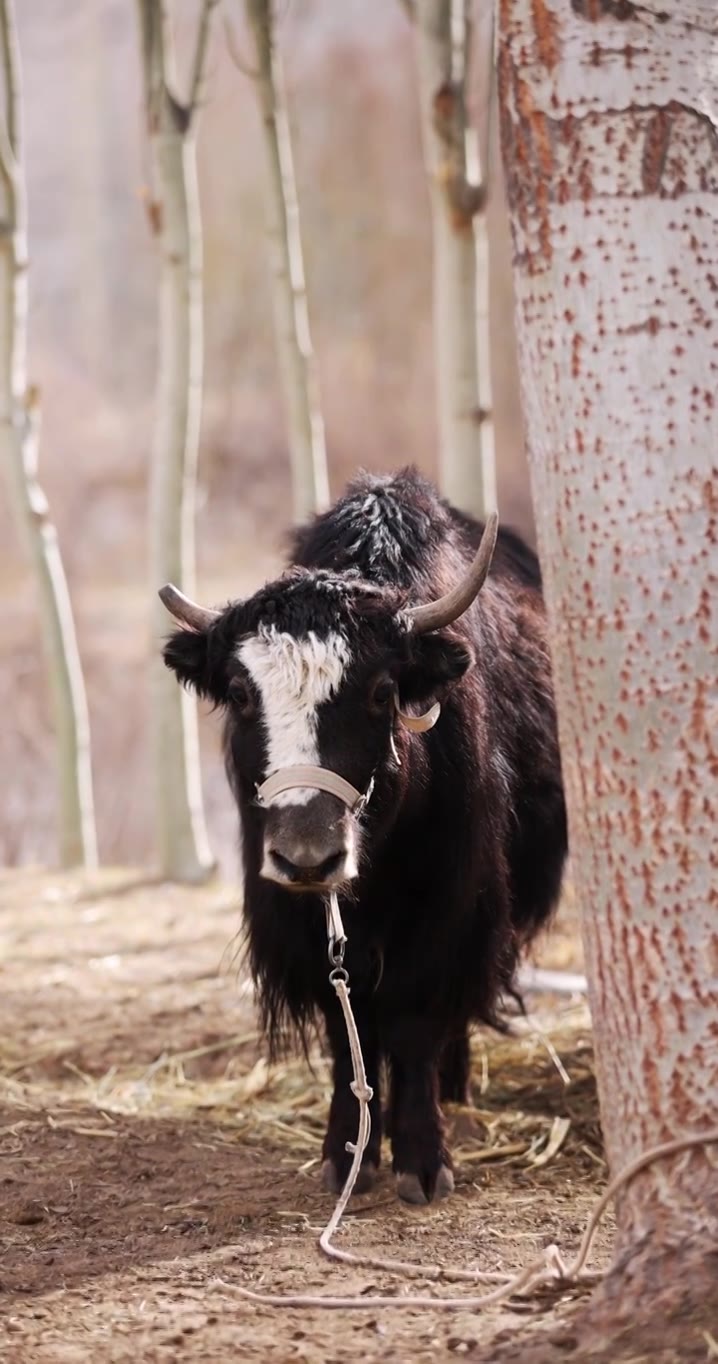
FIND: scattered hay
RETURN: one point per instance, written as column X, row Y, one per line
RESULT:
column 533, row 1090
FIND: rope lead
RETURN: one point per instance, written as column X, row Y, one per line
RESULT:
column 547, row 1268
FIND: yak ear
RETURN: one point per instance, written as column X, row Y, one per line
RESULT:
column 436, row 662
column 187, row 653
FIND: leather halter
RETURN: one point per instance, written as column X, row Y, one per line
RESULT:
column 315, row 778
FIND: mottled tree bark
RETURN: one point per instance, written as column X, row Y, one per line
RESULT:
column 182, row 843
column 310, row 480
column 460, row 255
column 19, row 441
column 610, row 141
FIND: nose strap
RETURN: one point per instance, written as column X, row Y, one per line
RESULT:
column 316, row 779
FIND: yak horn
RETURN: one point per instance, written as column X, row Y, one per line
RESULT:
column 434, row 614
column 186, row 612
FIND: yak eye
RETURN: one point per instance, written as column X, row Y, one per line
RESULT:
column 241, row 696
column 382, row 694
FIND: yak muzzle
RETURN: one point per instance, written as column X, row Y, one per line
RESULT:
column 310, row 847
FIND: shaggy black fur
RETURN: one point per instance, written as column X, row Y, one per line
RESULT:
column 463, row 843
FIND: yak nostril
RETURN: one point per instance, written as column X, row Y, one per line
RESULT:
column 302, row 872
column 283, row 864
column 329, row 866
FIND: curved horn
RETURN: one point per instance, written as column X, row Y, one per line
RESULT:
column 186, row 612
column 434, row 614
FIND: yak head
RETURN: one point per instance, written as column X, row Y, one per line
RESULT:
column 316, row 669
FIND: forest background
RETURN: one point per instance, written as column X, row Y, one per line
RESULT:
column 353, row 97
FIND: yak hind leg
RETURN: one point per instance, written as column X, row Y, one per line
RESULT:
column 421, row 1160
column 455, row 1069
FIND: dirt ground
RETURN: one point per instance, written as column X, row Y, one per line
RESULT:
column 151, row 1163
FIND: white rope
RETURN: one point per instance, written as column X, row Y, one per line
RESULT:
column 535, row 980
column 547, row 1268
column 364, row 1093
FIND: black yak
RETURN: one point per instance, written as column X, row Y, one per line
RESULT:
column 451, row 856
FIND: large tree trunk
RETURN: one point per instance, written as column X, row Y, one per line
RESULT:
column 310, row 483
column 182, row 842
column 610, row 145
column 459, row 227
column 19, row 433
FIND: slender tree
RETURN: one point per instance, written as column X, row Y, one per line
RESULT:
column 310, row 482
column 175, row 218
column 20, row 435
column 609, row 132
column 460, row 271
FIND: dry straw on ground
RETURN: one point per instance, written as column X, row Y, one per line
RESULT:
column 151, row 1155
column 520, row 1081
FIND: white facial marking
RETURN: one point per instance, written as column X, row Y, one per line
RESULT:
column 293, row 678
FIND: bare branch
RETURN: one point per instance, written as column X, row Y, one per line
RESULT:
column 10, row 127
column 199, row 64
column 164, row 108
column 486, row 88
column 19, row 455
column 467, row 38
column 296, row 357
column 150, row 20
column 8, row 172
column 458, row 195
column 486, row 143
column 234, row 53
column 175, row 218
column 11, row 73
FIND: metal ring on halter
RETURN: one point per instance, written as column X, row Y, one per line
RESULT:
column 336, row 937
column 363, row 800
column 335, row 952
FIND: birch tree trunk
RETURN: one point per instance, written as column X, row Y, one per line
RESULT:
column 20, row 433
column 182, row 842
column 466, row 446
column 310, row 481
column 610, row 140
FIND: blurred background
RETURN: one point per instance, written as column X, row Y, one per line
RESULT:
column 353, row 100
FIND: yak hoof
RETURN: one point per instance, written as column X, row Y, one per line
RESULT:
column 444, row 1182
column 331, row 1183
column 411, row 1189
